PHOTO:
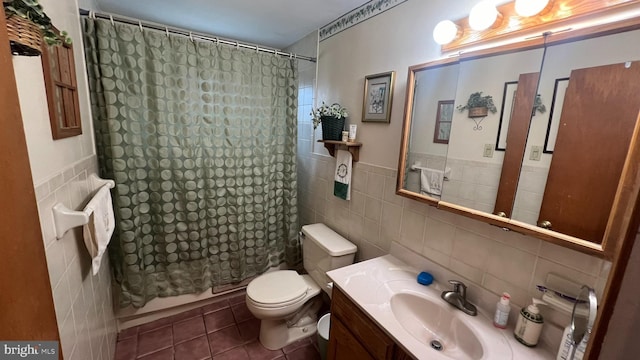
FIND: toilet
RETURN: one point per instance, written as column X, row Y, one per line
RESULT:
column 285, row 301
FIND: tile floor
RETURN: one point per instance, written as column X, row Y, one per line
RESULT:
column 224, row 330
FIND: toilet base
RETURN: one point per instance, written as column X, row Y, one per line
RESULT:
column 276, row 334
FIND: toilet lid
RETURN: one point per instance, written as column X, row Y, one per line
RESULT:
column 277, row 287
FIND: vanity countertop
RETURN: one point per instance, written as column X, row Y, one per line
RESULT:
column 371, row 285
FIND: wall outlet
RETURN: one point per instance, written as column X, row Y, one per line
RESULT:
column 488, row 151
column 536, row 153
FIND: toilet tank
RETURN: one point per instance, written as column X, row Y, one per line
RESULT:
column 323, row 250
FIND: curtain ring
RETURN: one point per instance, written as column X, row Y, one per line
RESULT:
column 166, row 29
column 237, row 45
column 191, row 36
column 111, row 19
column 290, row 56
column 257, row 49
column 217, row 41
column 140, row 24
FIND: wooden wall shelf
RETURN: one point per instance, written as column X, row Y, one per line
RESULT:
column 353, row 147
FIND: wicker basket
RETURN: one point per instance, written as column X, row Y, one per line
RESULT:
column 478, row 112
column 25, row 37
column 332, row 128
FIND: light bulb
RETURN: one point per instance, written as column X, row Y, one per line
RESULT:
column 528, row 8
column 445, row 32
column 483, row 15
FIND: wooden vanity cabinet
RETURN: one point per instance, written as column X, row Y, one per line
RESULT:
column 353, row 336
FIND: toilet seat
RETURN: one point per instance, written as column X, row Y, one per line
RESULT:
column 277, row 289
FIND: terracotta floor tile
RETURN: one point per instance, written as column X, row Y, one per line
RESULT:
column 224, row 340
column 249, row 330
column 241, row 312
column 218, row 305
column 308, row 352
column 258, row 352
column 156, row 324
column 240, row 298
column 196, row 349
column 218, row 320
column 126, row 349
column 297, row 344
column 187, row 314
column 166, row 354
column 188, row 329
column 155, row 340
column 238, row 353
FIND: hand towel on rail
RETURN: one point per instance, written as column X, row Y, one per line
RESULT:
column 97, row 232
column 342, row 183
column 431, row 181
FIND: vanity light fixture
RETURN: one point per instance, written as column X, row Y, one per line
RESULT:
column 483, row 15
column 526, row 8
column 445, row 32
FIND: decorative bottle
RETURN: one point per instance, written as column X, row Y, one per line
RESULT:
column 529, row 324
column 502, row 312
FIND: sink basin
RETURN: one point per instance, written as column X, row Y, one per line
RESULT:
column 435, row 324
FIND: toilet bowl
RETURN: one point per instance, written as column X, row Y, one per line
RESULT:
column 285, row 301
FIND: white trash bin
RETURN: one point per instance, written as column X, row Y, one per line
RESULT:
column 323, row 334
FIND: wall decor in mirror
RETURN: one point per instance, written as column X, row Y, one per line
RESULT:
column 553, row 161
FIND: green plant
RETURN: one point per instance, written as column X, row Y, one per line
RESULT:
column 538, row 105
column 477, row 100
column 33, row 11
column 335, row 110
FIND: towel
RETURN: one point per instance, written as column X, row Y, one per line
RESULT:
column 342, row 183
column 431, row 181
column 97, row 232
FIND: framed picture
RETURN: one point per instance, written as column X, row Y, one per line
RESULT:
column 508, row 99
column 378, row 95
column 443, row 122
column 557, row 102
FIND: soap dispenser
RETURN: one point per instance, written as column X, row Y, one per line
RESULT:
column 529, row 324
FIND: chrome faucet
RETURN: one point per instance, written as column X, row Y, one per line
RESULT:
column 458, row 298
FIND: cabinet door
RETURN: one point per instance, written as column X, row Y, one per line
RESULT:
column 343, row 345
column 598, row 118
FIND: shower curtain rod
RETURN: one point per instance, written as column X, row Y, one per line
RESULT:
column 191, row 34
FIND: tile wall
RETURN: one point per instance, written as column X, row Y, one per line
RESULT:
column 83, row 302
column 483, row 256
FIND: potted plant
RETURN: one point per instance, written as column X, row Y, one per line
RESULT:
column 27, row 25
column 478, row 105
column 332, row 119
column 538, row 105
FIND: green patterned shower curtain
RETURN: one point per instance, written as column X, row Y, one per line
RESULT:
column 201, row 141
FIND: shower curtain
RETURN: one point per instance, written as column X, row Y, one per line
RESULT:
column 200, row 139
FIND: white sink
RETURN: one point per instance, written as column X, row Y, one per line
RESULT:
column 435, row 325
column 414, row 315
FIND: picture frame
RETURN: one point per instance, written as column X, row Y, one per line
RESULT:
column 508, row 99
column 559, row 90
column 378, row 97
column 444, row 116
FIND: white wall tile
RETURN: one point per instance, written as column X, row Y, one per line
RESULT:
column 76, row 293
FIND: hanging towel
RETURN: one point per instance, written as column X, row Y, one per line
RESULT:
column 342, row 183
column 97, row 232
column 431, row 181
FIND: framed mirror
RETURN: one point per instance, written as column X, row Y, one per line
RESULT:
column 428, row 123
column 507, row 188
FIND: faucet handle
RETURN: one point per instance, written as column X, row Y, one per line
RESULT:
column 459, row 287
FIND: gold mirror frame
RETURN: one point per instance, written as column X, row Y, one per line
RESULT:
column 624, row 206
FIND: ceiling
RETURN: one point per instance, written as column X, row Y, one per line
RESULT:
column 272, row 23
